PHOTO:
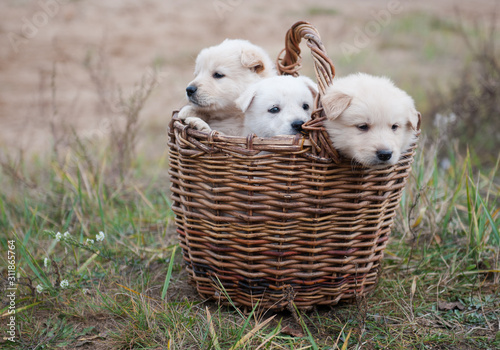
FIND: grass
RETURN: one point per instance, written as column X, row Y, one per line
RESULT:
column 439, row 288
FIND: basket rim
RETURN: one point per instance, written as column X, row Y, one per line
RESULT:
column 253, row 145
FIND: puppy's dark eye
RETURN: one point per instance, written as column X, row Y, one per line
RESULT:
column 395, row 127
column 274, row 110
column 305, row 106
column 363, row 127
column 218, row 75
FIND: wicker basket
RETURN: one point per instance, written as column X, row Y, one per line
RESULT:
column 283, row 219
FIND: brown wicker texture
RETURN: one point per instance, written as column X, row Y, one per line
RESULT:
column 283, row 219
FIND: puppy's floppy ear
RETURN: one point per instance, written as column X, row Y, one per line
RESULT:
column 246, row 98
column 335, row 102
column 311, row 85
column 415, row 120
column 253, row 60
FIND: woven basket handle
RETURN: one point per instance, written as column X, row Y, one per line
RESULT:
column 290, row 64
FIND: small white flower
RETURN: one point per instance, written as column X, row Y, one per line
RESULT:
column 100, row 237
column 85, row 291
column 90, row 241
column 39, row 288
column 46, row 262
column 64, row 284
column 58, row 236
column 67, row 234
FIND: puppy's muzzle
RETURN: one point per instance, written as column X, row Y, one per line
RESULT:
column 297, row 125
column 384, row 155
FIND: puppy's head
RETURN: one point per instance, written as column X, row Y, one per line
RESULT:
column 278, row 105
column 369, row 119
column 224, row 71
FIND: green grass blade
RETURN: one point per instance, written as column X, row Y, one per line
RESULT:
column 228, row 297
column 101, row 211
column 169, row 273
column 33, row 265
column 306, row 329
column 493, row 224
column 23, row 308
column 247, row 321
column 456, row 194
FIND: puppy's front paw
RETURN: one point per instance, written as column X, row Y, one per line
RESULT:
column 198, row 124
column 184, row 113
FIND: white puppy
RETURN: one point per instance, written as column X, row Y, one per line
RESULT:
column 222, row 73
column 277, row 105
column 369, row 119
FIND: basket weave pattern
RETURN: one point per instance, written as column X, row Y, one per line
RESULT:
column 284, row 219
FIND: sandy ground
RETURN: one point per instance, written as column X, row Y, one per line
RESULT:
column 45, row 45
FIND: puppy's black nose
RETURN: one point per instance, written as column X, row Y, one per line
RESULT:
column 384, row 155
column 190, row 90
column 297, row 125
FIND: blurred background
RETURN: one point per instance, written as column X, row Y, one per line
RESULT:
column 95, row 68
